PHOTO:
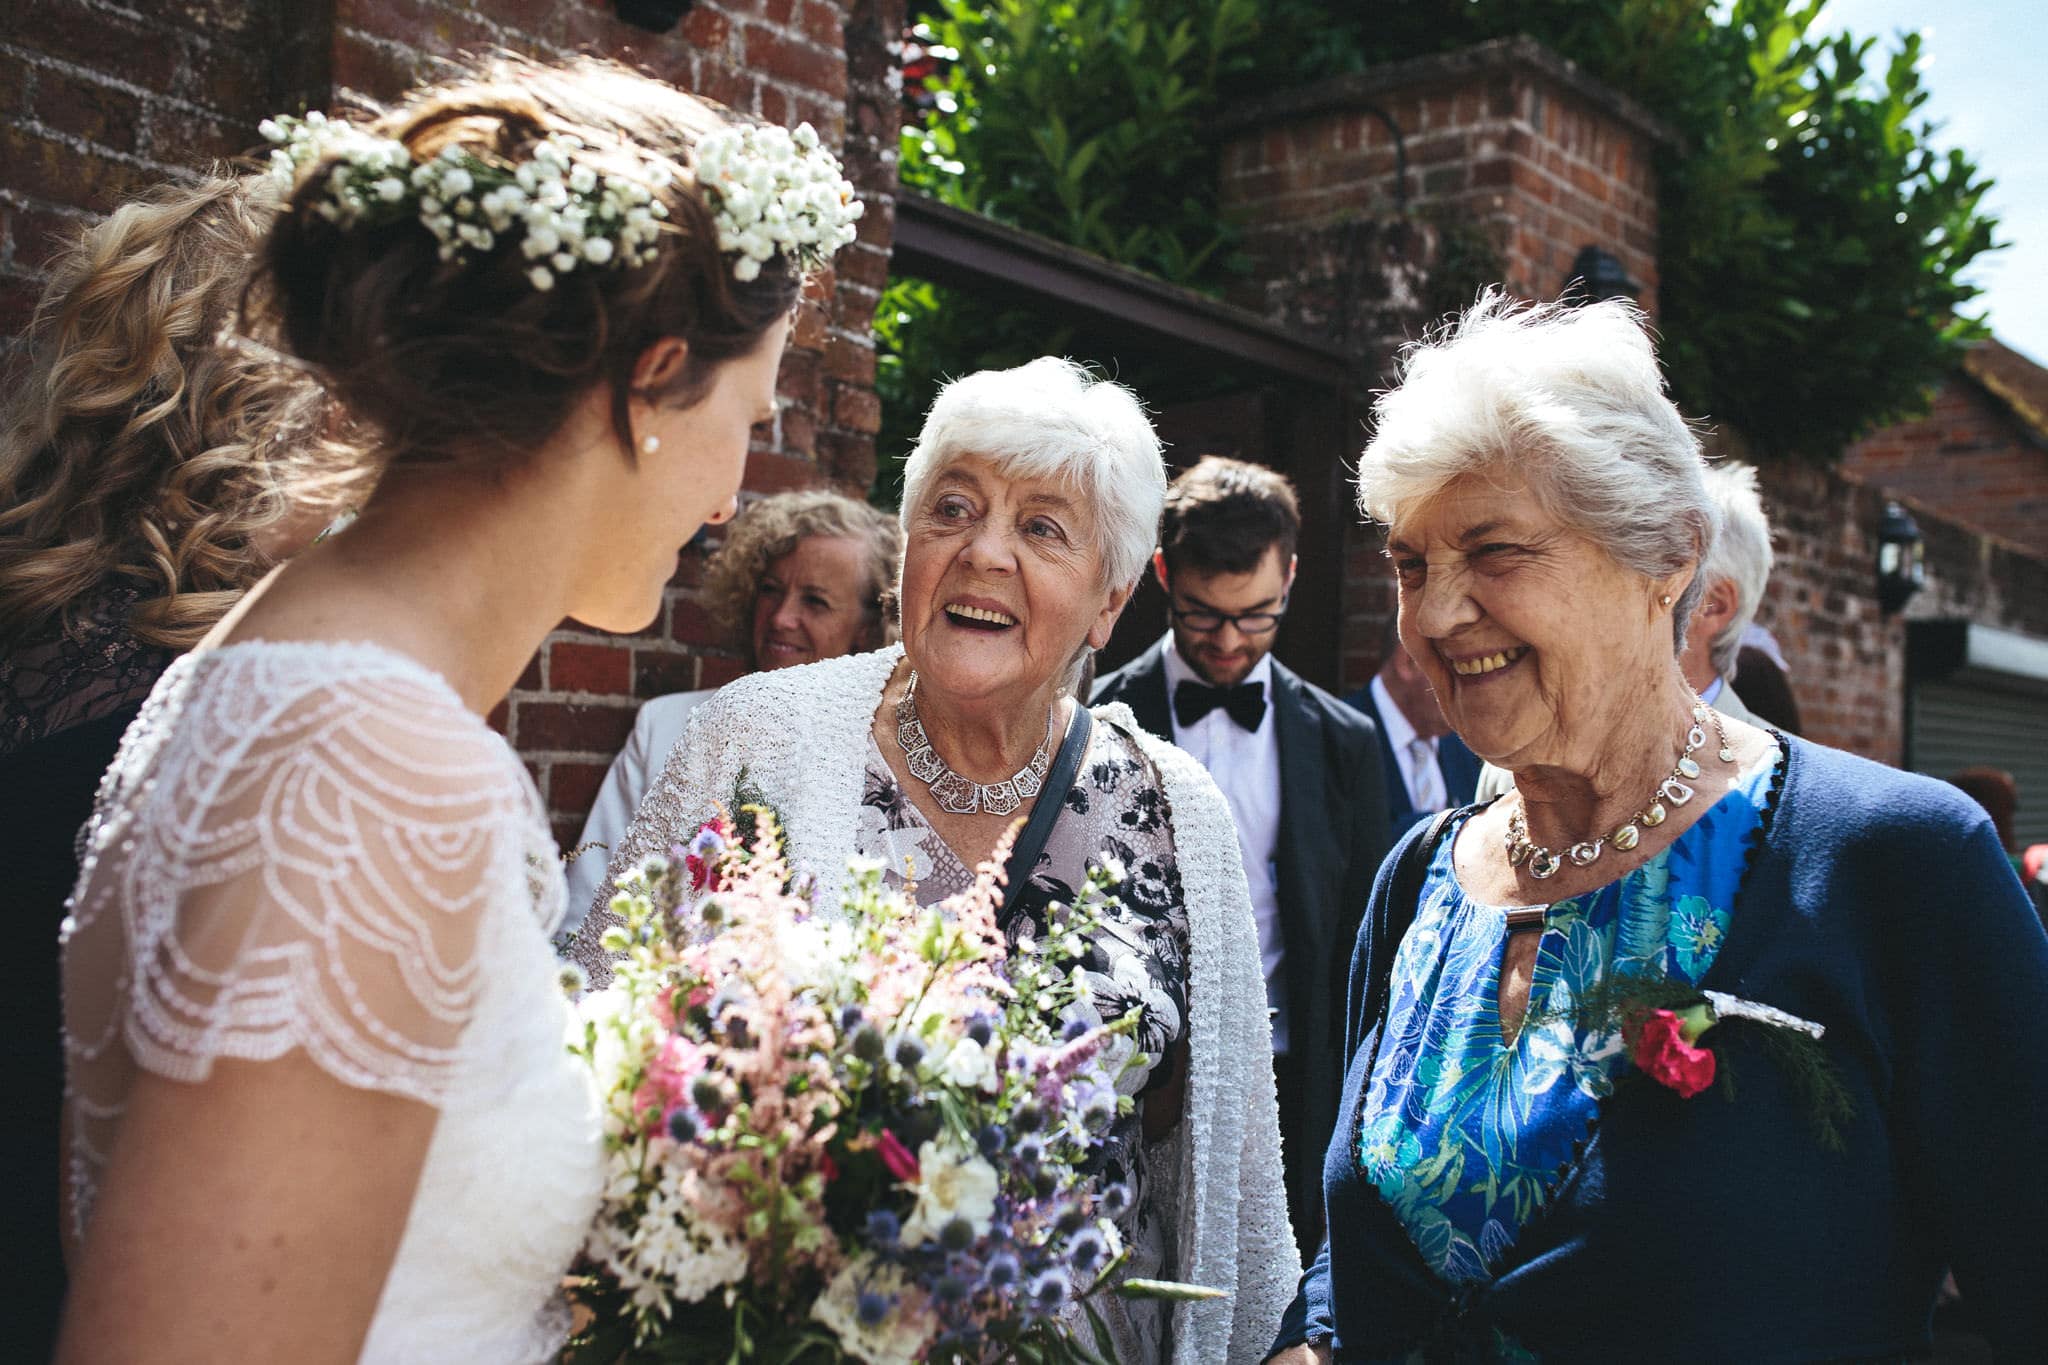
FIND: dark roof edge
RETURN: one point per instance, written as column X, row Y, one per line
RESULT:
column 1498, row 54
column 2014, row 381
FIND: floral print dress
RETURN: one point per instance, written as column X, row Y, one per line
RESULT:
column 1466, row 1134
column 1139, row 959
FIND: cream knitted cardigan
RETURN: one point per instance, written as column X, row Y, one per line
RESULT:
column 801, row 735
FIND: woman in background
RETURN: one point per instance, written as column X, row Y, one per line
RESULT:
column 145, row 458
column 801, row 577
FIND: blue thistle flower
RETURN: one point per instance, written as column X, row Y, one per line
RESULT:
column 883, row 1227
column 909, row 1052
column 1003, row 1271
column 981, row 1028
column 1115, row 1201
column 683, row 1126
column 851, row 1017
column 990, row 1140
column 1087, row 1249
column 956, row 1234
column 949, row 1288
column 1048, row 1292
column 871, row 1308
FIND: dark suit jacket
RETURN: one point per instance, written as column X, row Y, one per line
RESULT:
column 1458, row 764
column 1333, row 833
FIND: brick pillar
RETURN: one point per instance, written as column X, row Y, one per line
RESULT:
column 98, row 99
column 1514, row 157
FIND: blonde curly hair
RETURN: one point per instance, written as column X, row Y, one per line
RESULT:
column 773, row 526
column 143, row 444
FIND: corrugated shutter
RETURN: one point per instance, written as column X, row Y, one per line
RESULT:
column 1961, row 725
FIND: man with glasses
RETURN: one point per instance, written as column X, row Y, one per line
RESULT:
column 1300, row 769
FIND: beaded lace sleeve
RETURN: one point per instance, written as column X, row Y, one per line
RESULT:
column 293, row 851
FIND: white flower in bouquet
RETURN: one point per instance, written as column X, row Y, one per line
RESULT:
column 875, row 1312
column 952, row 1183
column 972, row 1067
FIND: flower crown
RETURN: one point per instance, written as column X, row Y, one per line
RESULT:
column 769, row 190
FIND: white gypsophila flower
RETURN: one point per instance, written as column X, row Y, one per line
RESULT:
column 775, row 191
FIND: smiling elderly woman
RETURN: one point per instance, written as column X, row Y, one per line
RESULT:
column 1523, row 1166
column 1030, row 508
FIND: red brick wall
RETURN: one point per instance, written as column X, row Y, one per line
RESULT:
column 97, row 99
column 1506, row 136
column 1970, row 458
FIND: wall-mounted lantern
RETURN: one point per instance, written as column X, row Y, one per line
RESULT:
column 1596, row 274
column 656, row 16
column 1901, row 559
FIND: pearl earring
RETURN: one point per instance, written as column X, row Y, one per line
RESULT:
column 1665, row 599
column 650, row 444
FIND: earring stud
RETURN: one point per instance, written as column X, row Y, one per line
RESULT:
column 650, row 444
column 1665, row 599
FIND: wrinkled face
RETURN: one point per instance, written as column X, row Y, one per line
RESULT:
column 692, row 477
column 1002, row 582
column 1531, row 635
column 812, row 603
column 1222, row 651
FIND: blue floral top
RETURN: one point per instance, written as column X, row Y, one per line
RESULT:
column 1467, row 1136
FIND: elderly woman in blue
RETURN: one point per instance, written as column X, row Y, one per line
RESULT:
column 1702, row 1043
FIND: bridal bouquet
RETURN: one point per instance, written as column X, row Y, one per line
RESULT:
column 846, row 1128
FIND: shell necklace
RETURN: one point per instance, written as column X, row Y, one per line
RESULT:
column 955, row 794
column 1544, row 864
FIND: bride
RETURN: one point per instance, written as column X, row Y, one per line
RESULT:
column 318, row 1105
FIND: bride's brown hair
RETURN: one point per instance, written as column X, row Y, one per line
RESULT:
column 141, row 445
column 465, row 358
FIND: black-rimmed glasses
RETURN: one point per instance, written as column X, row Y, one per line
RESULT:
column 1202, row 620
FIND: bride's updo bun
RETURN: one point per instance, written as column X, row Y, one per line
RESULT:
column 457, row 352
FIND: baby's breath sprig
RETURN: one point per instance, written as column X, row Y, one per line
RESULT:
column 567, row 213
column 773, row 190
column 770, row 190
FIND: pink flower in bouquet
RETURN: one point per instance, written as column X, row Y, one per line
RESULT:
column 674, row 1065
column 1660, row 1051
column 900, row 1160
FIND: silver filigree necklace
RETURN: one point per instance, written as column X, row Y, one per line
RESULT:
column 955, row 794
column 1544, row 864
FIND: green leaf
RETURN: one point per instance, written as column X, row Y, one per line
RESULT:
column 1172, row 1291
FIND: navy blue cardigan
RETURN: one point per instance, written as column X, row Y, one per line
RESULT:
column 1879, row 904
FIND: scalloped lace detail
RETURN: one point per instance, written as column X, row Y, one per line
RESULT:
column 316, row 847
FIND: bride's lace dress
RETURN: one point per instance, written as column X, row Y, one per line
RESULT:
column 316, row 847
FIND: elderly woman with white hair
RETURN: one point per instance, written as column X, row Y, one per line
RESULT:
column 1030, row 508
column 1527, row 1163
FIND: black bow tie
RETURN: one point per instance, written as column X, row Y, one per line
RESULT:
column 1245, row 702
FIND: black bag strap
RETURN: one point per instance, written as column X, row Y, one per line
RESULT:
column 1404, row 893
column 1053, row 795
column 1406, row 890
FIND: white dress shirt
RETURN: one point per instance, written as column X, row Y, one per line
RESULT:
column 655, row 731
column 1421, row 773
column 1246, row 765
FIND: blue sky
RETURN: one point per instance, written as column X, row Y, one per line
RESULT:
column 1986, row 74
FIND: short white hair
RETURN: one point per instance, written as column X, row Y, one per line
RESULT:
column 1741, row 554
column 1052, row 419
column 1570, row 399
